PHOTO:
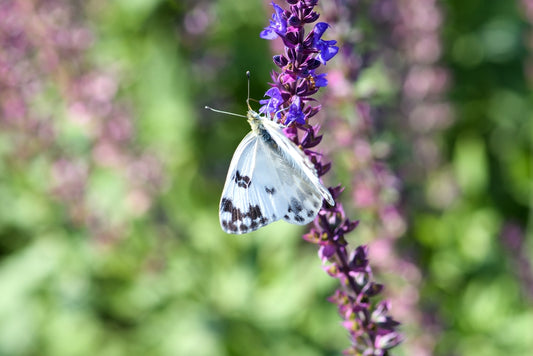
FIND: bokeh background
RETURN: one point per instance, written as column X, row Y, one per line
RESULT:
column 111, row 172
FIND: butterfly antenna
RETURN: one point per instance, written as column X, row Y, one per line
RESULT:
column 248, row 96
column 223, row 112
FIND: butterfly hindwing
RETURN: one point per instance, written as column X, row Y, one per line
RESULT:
column 296, row 158
column 295, row 198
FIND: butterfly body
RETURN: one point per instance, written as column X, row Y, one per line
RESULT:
column 269, row 179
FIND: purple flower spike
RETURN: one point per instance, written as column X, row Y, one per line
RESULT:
column 372, row 330
column 303, row 55
column 278, row 25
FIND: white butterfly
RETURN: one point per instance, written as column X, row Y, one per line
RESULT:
column 269, row 179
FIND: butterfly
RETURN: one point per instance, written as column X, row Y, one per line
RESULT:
column 269, row 179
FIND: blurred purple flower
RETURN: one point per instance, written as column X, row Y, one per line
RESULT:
column 513, row 239
column 44, row 50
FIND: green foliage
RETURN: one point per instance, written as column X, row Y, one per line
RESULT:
column 168, row 281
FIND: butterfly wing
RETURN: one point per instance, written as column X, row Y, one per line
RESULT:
column 242, row 208
column 296, row 158
column 293, row 196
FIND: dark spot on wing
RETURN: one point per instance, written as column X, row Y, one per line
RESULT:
column 270, row 191
column 265, row 135
column 298, row 218
column 226, row 205
column 238, row 219
column 267, row 138
column 242, row 181
column 295, row 205
column 254, row 212
column 298, row 211
column 232, row 227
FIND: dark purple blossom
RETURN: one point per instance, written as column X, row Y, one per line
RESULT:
column 372, row 330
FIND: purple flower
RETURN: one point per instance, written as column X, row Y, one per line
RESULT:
column 278, row 25
column 271, row 105
column 319, row 80
column 295, row 114
column 327, row 49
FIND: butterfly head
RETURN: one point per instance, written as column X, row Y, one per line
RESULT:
column 254, row 118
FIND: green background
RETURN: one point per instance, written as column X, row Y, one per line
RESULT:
column 168, row 281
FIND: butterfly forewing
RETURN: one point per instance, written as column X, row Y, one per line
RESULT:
column 240, row 212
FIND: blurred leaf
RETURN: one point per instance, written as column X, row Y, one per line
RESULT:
column 470, row 164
